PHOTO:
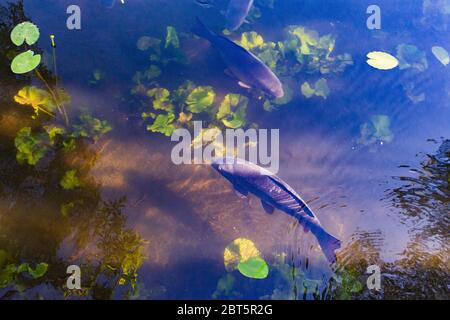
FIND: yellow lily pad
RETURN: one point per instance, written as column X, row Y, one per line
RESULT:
column 240, row 250
column 382, row 60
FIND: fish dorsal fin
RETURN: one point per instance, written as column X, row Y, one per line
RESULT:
column 267, row 207
column 294, row 194
column 240, row 191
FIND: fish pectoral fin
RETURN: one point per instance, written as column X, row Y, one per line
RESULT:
column 240, row 191
column 244, row 85
column 267, row 207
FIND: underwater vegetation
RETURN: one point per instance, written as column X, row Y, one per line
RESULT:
column 54, row 212
column 46, row 153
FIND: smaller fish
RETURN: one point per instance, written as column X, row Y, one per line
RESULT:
column 236, row 13
column 242, row 65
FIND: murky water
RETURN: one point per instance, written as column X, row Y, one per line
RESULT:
column 370, row 157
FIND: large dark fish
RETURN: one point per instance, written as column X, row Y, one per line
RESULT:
column 236, row 13
column 274, row 193
column 250, row 71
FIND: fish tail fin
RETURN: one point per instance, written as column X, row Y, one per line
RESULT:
column 329, row 244
column 201, row 30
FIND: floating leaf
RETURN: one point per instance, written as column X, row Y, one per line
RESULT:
column 38, row 99
column 200, row 99
column 25, row 32
column 240, row 250
column 161, row 99
column 382, row 60
column 232, row 110
column 70, row 180
column 25, row 62
column 410, row 56
column 441, row 54
column 163, row 124
column 255, row 268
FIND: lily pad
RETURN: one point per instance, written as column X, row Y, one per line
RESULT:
column 441, row 54
column 163, row 124
column 410, row 56
column 161, row 99
column 382, row 60
column 38, row 99
column 200, row 99
column 240, row 250
column 25, row 62
column 25, row 32
column 255, row 268
column 232, row 110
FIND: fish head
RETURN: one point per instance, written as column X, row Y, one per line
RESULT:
column 275, row 89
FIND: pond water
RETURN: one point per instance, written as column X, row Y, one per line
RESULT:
column 369, row 153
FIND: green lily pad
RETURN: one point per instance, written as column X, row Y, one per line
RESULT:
column 25, row 32
column 161, row 99
column 25, row 62
column 382, row 60
column 441, row 54
column 239, row 250
column 255, row 268
column 200, row 99
column 232, row 110
column 163, row 124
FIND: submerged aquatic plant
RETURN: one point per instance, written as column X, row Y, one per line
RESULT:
column 320, row 89
column 410, row 56
column 376, row 130
column 10, row 273
column 178, row 108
